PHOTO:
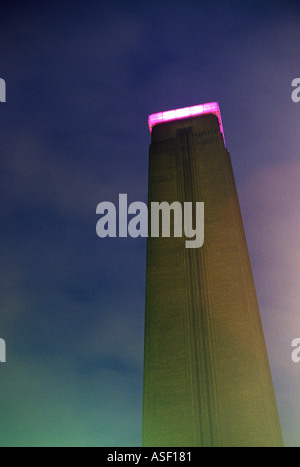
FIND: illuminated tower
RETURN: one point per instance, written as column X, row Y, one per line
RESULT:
column 207, row 380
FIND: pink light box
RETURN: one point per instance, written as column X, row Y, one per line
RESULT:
column 187, row 112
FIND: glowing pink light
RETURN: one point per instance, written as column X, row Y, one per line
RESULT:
column 187, row 112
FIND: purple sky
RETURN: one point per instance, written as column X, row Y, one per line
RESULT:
column 81, row 82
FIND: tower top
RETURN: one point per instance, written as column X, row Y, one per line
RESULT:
column 187, row 112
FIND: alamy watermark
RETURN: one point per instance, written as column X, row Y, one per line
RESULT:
column 167, row 220
column 2, row 90
column 2, row 341
column 296, row 352
column 296, row 91
column 2, row 351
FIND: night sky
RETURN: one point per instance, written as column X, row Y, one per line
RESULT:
column 82, row 78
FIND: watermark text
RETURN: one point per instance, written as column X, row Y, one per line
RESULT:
column 2, row 351
column 296, row 352
column 2, row 90
column 296, row 91
column 166, row 220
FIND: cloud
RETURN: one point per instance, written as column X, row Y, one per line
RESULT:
column 271, row 205
column 49, row 401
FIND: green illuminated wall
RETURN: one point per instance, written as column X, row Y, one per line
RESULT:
column 207, row 380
